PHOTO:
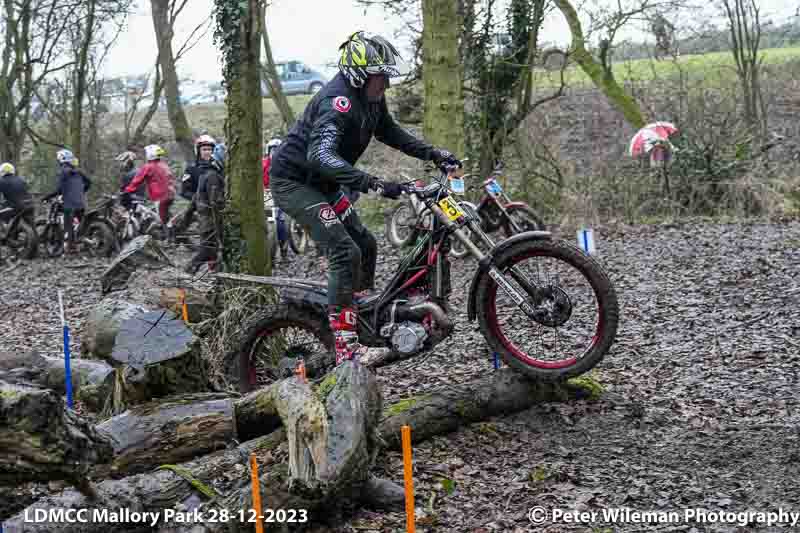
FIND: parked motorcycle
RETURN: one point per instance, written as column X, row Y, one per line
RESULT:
column 544, row 306
column 495, row 211
column 17, row 238
column 139, row 218
column 297, row 237
column 94, row 233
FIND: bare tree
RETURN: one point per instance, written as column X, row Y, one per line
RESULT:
column 271, row 76
column 33, row 44
column 165, row 12
column 744, row 25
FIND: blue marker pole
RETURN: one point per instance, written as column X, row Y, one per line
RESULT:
column 67, row 366
column 496, row 361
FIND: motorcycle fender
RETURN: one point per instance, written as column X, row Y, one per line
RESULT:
column 488, row 261
column 515, row 204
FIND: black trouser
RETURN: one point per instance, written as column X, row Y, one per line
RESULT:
column 185, row 219
column 69, row 214
column 352, row 250
column 209, row 242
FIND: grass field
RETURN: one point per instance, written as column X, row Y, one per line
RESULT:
column 713, row 67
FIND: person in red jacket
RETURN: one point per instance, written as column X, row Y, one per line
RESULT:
column 265, row 163
column 159, row 179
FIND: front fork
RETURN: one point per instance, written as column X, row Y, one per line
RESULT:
column 530, row 288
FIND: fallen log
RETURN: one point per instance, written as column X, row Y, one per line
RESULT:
column 166, row 488
column 141, row 252
column 40, row 440
column 503, row 391
column 155, row 355
column 171, row 431
column 102, row 325
column 92, row 381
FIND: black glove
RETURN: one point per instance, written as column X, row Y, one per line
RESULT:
column 441, row 156
column 387, row 189
column 126, row 200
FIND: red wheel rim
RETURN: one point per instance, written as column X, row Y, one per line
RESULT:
column 518, row 353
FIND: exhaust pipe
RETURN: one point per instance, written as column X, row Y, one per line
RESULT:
column 418, row 312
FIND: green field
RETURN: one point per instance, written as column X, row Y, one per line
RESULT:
column 717, row 66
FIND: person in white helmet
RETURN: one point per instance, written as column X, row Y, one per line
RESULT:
column 159, row 179
column 72, row 186
column 280, row 216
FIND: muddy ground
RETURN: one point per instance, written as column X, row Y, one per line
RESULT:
column 699, row 410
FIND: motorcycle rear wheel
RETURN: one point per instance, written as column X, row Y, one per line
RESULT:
column 278, row 331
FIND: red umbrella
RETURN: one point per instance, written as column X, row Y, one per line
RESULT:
column 649, row 136
column 664, row 129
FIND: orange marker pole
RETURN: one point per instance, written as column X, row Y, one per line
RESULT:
column 409, row 479
column 256, row 493
column 300, row 370
column 183, row 306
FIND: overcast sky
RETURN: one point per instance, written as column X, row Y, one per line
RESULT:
column 307, row 30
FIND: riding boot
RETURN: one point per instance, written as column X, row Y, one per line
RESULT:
column 345, row 334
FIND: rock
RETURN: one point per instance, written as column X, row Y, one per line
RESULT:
column 103, row 324
column 141, row 252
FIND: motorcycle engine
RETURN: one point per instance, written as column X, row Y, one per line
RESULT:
column 408, row 337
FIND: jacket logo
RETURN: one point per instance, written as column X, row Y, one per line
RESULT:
column 328, row 216
column 341, row 104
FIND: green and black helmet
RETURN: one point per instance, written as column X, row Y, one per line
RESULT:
column 364, row 54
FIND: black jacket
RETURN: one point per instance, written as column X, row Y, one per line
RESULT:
column 72, row 185
column 335, row 129
column 14, row 190
column 210, row 194
column 191, row 178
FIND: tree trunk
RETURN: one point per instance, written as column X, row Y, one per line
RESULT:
column 170, row 431
column 154, row 491
column 501, row 392
column 40, row 440
column 164, row 31
column 602, row 78
column 80, row 82
column 155, row 356
column 245, row 247
column 271, row 76
column 443, row 72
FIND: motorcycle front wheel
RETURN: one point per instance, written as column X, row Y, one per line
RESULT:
column 575, row 310
column 401, row 225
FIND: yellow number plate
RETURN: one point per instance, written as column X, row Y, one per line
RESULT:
column 451, row 209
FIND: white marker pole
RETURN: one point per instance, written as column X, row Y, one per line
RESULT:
column 586, row 240
column 67, row 366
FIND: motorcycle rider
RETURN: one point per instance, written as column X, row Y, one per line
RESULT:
column 14, row 189
column 210, row 201
column 127, row 170
column 316, row 160
column 72, row 186
column 159, row 179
